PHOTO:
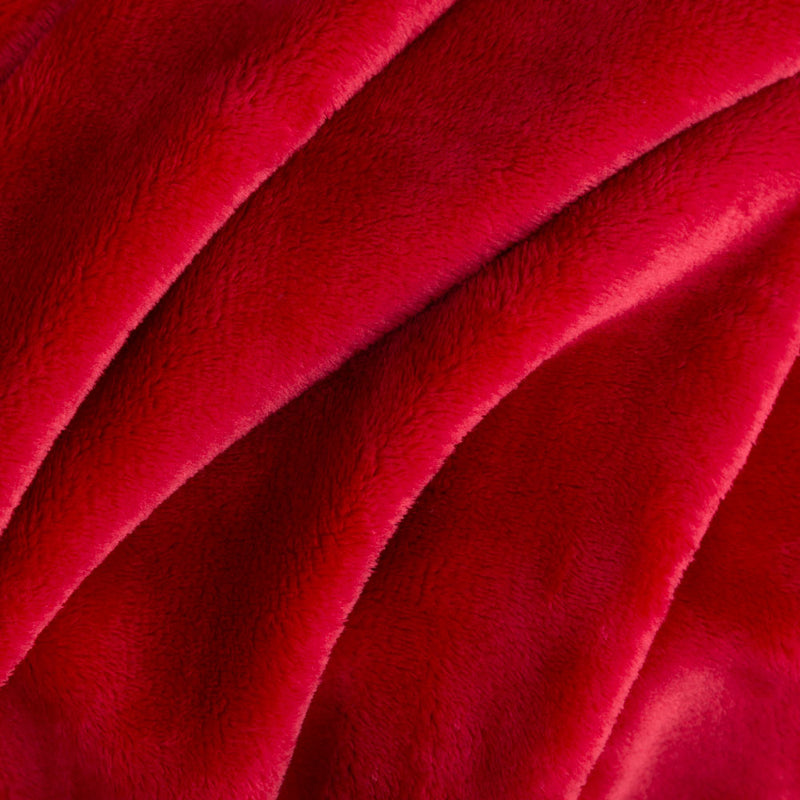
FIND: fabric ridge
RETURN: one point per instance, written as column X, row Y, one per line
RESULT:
column 398, row 399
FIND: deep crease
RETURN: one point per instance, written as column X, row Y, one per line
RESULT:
column 115, row 348
column 565, row 209
column 152, row 301
column 571, row 342
column 755, row 434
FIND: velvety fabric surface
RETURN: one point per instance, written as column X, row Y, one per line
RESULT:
column 398, row 400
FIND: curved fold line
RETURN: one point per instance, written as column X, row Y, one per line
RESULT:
column 100, row 368
column 474, row 421
column 569, row 337
column 160, row 289
column 24, row 42
column 740, row 461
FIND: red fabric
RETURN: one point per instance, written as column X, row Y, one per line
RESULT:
column 397, row 400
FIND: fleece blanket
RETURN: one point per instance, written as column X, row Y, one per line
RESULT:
column 398, row 400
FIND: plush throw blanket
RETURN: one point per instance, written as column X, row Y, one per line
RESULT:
column 397, row 399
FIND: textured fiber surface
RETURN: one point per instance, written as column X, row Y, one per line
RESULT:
column 397, row 399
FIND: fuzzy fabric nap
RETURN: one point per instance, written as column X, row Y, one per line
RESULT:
column 397, row 399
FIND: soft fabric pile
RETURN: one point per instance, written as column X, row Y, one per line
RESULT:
column 397, row 399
